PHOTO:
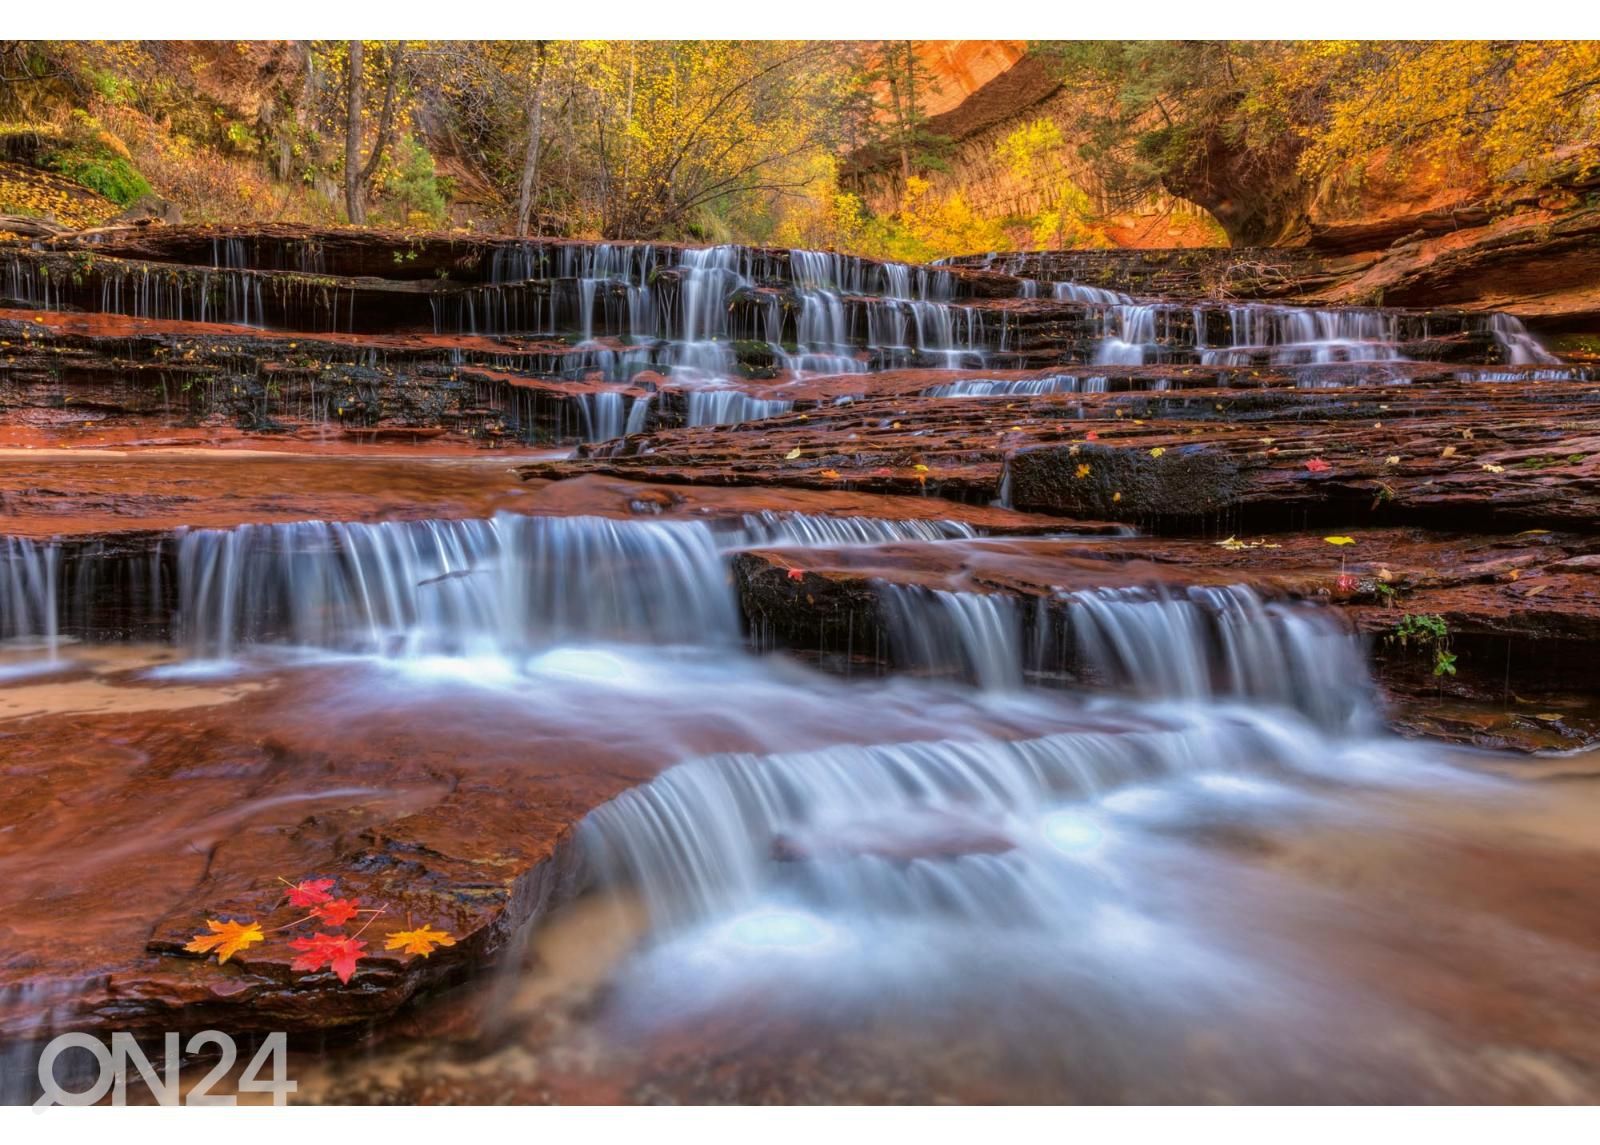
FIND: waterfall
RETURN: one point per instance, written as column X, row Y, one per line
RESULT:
column 770, row 528
column 1016, row 387
column 1519, row 347
column 28, row 595
column 973, row 636
column 1077, row 292
column 638, row 413
column 1221, row 644
column 603, row 416
column 454, row 587
column 730, row 407
column 971, row 830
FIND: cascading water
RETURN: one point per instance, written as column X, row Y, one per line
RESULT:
column 496, row 586
column 775, row 529
column 28, row 598
column 1221, row 644
column 973, row 636
column 1017, row 387
column 730, row 407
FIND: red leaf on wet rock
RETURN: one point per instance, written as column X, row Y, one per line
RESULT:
column 797, row 574
column 1317, row 465
column 338, row 912
column 335, row 951
column 310, row 892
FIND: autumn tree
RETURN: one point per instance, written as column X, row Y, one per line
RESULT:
column 905, row 82
column 359, row 175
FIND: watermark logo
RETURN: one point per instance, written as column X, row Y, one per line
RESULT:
column 113, row 1062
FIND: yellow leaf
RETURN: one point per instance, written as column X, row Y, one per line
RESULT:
column 1157, row 451
column 792, row 454
column 1493, row 468
column 920, row 468
column 1116, row 497
column 1232, row 544
column 420, row 941
column 1392, row 459
column 830, row 473
column 1340, row 540
column 1083, row 469
column 1534, row 533
column 1448, row 451
column 226, row 938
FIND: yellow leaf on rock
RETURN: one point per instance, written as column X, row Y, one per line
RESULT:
column 920, row 468
column 226, row 938
column 420, row 941
column 1448, row 451
column 830, row 473
column 1494, row 468
column 792, row 454
column 1340, row 540
column 1083, row 470
column 1157, row 451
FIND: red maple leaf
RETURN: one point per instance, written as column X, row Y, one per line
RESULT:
column 797, row 574
column 1091, row 436
column 338, row 912
column 334, row 951
column 1317, row 465
column 310, row 892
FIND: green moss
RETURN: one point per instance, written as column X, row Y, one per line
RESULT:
column 111, row 176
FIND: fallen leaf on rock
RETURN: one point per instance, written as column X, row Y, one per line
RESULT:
column 792, row 454
column 226, row 938
column 1448, row 451
column 1493, row 468
column 1340, row 540
column 1083, row 470
column 338, row 912
column 1157, row 451
column 420, row 941
column 335, row 951
column 797, row 574
column 1317, row 465
column 1392, row 459
column 830, row 474
column 310, row 892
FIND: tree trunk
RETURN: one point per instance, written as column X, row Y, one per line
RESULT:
column 355, row 208
column 530, row 159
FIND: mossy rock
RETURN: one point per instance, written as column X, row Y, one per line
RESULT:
column 1126, row 483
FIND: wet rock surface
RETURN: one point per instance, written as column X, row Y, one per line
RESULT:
column 830, row 439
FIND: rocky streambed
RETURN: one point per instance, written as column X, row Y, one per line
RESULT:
column 828, row 622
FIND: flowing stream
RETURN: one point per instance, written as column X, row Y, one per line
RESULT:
column 953, row 862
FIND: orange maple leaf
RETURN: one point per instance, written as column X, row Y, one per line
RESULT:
column 226, row 938
column 420, row 941
column 338, row 912
column 797, row 574
column 310, row 892
column 334, row 951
